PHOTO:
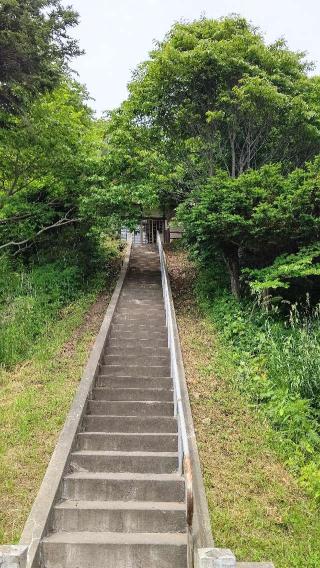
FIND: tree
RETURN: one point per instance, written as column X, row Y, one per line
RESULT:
column 260, row 214
column 124, row 180
column 44, row 159
column 34, row 50
column 286, row 270
column 217, row 102
column 215, row 86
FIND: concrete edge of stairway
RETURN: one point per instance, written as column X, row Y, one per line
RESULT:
column 37, row 521
column 202, row 532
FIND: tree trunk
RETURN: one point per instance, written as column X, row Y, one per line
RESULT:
column 231, row 257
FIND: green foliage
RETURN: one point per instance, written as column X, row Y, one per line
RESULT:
column 277, row 365
column 44, row 160
column 207, row 116
column 51, row 235
column 285, row 269
column 125, row 182
column 217, row 84
column 293, row 356
column 31, row 298
column 310, row 479
column 260, row 213
column 35, row 49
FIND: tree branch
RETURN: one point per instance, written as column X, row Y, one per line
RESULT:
column 60, row 223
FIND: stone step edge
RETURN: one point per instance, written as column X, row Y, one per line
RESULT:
column 116, row 453
column 121, row 505
column 144, row 539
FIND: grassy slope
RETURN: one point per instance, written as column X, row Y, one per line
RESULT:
column 256, row 506
column 34, row 400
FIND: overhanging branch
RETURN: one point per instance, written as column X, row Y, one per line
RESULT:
column 60, row 223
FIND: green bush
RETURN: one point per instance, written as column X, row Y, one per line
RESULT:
column 32, row 296
column 291, row 277
column 277, row 364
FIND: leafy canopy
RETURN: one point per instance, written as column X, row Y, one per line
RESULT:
column 34, row 49
column 261, row 213
column 216, row 83
column 44, row 160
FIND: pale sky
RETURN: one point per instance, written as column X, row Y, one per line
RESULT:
column 118, row 34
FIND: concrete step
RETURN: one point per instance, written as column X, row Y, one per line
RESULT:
column 138, row 349
column 132, row 296
column 143, row 324
column 130, row 408
column 145, row 303
column 136, row 359
column 127, row 442
column 133, row 303
column 123, row 487
column 145, row 272
column 135, row 342
column 132, row 394
column 135, row 287
column 157, row 337
column 123, row 501
column 142, row 279
column 137, row 334
column 143, row 284
column 136, row 370
column 142, row 317
column 144, row 314
column 140, row 285
column 134, row 382
column 126, row 319
column 134, row 424
column 119, row 516
column 134, row 462
column 102, row 549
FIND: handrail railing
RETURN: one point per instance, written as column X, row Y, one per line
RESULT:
column 184, row 450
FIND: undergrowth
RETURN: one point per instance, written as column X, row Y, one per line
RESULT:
column 34, row 294
column 277, row 365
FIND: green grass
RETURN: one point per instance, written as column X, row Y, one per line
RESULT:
column 276, row 357
column 33, row 294
column 36, row 393
column 257, row 506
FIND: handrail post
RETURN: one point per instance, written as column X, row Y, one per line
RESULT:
column 215, row 558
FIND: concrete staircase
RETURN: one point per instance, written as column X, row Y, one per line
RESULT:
column 123, row 500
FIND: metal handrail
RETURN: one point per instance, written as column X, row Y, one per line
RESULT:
column 184, row 451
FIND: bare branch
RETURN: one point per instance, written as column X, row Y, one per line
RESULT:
column 60, row 223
